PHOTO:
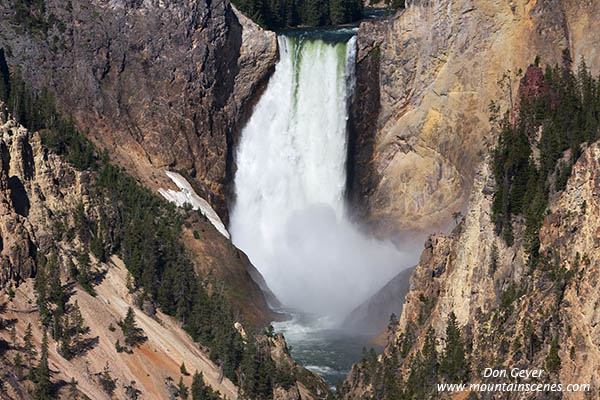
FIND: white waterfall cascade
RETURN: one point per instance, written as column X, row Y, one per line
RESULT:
column 289, row 212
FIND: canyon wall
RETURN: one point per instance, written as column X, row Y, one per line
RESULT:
column 420, row 127
column 160, row 84
column 509, row 315
column 39, row 195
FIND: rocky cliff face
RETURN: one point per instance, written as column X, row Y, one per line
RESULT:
column 428, row 74
column 160, row 84
column 510, row 315
column 37, row 189
column 17, row 250
column 571, row 233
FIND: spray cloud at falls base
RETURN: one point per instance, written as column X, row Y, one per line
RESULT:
column 289, row 213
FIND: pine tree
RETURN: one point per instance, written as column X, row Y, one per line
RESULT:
column 430, row 356
column 182, row 389
column 129, row 328
column 18, row 362
column 200, row 391
column 81, row 222
column 73, row 271
column 183, row 370
column 30, row 351
column 73, row 392
column 197, row 386
column 65, row 341
column 390, row 380
column 84, row 275
column 337, row 11
column 55, row 294
column 130, row 283
column 454, row 363
column 552, row 359
column 107, row 382
column 76, row 321
column 97, row 248
column 41, row 289
column 43, row 386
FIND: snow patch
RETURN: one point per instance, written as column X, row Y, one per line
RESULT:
column 188, row 195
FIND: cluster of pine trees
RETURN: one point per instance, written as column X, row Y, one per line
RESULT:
column 38, row 113
column 567, row 112
column 278, row 14
column 144, row 230
column 27, row 367
column 62, row 319
column 426, row 366
column 198, row 391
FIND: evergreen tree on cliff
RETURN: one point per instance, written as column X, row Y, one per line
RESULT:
column 129, row 328
column 200, row 391
column 43, row 386
column 454, row 364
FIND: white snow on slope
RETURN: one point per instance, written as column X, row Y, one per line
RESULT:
column 188, row 195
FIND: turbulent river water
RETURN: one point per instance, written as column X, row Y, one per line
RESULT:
column 322, row 347
column 289, row 213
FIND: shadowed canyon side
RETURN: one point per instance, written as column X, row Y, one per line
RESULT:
column 160, row 84
column 372, row 316
column 427, row 76
column 170, row 100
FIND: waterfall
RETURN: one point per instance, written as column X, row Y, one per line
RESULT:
column 289, row 214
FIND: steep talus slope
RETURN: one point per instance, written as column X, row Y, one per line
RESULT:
column 42, row 198
column 427, row 76
column 159, row 357
column 161, row 84
column 510, row 316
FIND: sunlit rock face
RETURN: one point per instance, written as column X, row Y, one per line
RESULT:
column 427, row 75
column 469, row 273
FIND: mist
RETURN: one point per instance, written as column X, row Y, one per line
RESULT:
column 324, row 265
